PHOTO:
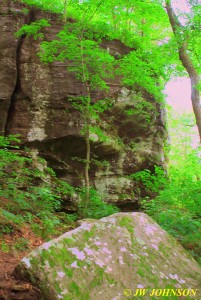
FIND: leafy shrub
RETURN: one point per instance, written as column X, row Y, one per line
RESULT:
column 4, row 246
column 177, row 208
column 96, row 208
column 33, row 29
column 28, row 193
column 151, row 181
column 21, row 244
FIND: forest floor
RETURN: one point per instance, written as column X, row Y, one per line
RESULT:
column 10, row 287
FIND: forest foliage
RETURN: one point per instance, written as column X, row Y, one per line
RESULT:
column 30, row 193
column 177, row 208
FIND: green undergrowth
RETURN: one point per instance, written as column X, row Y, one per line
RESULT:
column 177, row 208
column 95, row 208
column 31, row 194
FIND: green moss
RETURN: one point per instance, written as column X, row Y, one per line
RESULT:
column 88, row 234
column 95, row 247
column 77, row 292
column 57, row 287
column 145, row 266
column 68, row 272
column 140, row 272
column 126, row 222
column 110, row 280
column 46, row 256
column 96, row 282
column 69, row 241
column 165, row 249
column 74, row 288
column 99, row 275
column 153, row 279
column 81, row 263
column 68, row 297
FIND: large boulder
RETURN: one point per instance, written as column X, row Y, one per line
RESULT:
column 116, row 257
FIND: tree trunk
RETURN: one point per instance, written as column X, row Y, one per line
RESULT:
column 65, row 10
column 88, row 150
column 187, row 63
column 87, row 133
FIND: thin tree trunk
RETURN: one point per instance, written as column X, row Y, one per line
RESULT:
column 88, row 149
column 65, row 10
column 87, row 133
column 188, row 65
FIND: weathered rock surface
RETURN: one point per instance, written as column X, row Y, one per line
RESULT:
column 101, row 260
column 34, row 103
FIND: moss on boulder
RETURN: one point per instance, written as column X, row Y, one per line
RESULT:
column 113, row 258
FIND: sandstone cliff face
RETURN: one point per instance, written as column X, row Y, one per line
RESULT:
column 34, row 103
